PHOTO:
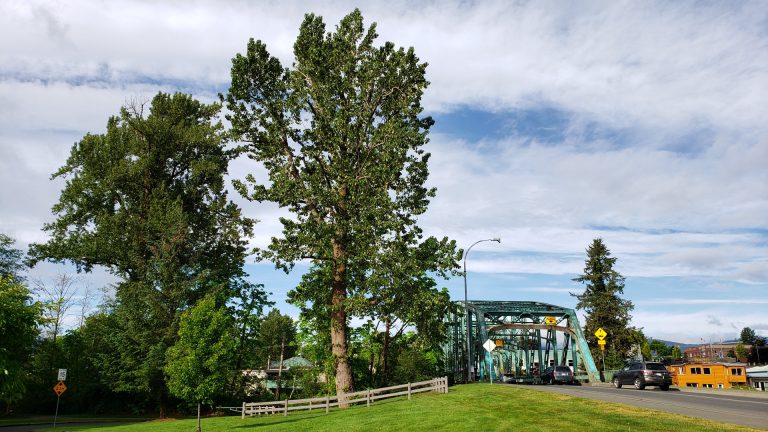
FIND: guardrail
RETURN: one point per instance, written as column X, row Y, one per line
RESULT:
column 368, row 396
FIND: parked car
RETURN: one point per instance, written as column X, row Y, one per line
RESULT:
column 643, row 374
column 557, row 374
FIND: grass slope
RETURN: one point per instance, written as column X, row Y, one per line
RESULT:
column 476, row 407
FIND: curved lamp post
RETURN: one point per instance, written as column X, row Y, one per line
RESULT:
column 466, row 302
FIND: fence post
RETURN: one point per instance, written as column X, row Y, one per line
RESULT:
column 310, row 405
column 286, row 408
column 327, row 403
column 445, row 384
column 409, row 391
column 368, row 398
column 243, row 410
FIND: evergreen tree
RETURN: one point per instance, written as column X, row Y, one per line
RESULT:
column 603, row 307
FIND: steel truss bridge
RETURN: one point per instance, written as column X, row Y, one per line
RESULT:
column 529, row 337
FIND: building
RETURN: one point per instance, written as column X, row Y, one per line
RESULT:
column 758, row 377
column 708, row 375
column 710, row 351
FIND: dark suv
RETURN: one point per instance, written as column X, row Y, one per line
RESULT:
column 557, row 374
column 642, row 374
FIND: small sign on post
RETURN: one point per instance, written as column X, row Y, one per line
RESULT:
column 59, row 388
column 62, row 375
column 489, row 345
column 601, row 334
column 550, row 320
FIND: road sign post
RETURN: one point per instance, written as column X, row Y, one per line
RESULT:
column 489, row 346
column 59, row 388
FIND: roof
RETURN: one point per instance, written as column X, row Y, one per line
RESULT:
column 758, row 371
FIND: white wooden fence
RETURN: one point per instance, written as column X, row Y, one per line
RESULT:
column 368, row 396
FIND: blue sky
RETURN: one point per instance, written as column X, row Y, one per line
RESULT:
column 556, row 123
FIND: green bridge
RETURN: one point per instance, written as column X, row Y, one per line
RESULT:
column 528, row 336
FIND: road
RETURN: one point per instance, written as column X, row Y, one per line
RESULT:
column 728, row 408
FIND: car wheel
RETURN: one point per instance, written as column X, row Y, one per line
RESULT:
column 639, row 384
column 616, row 382
column 664, row 387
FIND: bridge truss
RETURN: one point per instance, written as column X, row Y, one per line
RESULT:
column 529, row 337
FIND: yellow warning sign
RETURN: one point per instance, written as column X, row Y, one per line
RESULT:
column 601, row 334
column 60, row 388
column 550, row 320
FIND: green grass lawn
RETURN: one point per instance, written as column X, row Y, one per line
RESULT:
column 476, row 407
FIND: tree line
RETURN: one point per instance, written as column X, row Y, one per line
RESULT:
column 340, row 135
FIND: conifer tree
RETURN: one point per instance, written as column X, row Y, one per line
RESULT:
column 603, row 307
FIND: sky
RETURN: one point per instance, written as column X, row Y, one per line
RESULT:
column 643, row 124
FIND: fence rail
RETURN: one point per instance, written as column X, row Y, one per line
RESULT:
column 368, row 396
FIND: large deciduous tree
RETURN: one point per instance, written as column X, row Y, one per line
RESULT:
column 341, row 136
column 146, row 200
column 602, row 305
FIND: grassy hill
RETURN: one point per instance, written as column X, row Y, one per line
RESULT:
column 476, row 407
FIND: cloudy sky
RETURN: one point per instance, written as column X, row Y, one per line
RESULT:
column 640, row 123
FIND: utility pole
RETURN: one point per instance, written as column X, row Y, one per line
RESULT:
column 280, row 367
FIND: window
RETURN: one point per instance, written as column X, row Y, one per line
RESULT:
column 681, row 370
column 737, row 371
column 707, row 385
column 696, row 370
column 707, row 371
column 691, row 385
column 720, row 386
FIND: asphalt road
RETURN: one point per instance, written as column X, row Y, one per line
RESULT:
column 728, row 408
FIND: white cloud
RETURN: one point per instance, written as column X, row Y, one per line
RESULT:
column 681, row 190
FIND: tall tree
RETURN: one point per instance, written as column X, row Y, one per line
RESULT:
column 602, row 305
column 147, row 201
column 341, row 137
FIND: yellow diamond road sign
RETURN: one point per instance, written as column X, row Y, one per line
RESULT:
column 601, row 334
column 60, row 388
column 550, row 320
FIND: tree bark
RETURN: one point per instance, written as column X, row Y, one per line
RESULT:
column 385, row 354
column 280, row 368
column 198, row 417
column 339, row 347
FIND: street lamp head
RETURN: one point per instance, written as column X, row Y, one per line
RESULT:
column 496, row 239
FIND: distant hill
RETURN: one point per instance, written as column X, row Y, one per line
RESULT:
column 682, row 346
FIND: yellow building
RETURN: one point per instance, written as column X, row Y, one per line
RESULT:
column 708, row 375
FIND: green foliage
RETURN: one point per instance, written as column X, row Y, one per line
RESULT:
column 276, row 331
column 147, row 201
column 741, row 351
column 603, row 307
column 200, row 364
column 660, row 348
column 340, row 136
column 10, row 258
column 19, row 320
column 676, row 353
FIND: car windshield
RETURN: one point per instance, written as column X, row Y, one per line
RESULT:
column 563, row 369
column 655, row 366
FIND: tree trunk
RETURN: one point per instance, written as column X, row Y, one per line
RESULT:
column 280, row 367
column 339, row 348
column 198, row 417
column 385, row 354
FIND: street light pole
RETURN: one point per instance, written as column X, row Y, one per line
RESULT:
column 466, row 303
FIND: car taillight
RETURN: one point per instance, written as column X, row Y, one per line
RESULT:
column 647, row 372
